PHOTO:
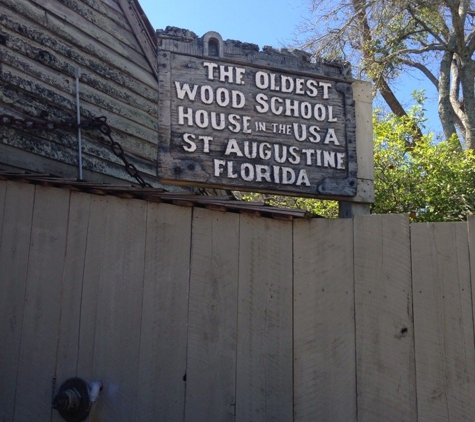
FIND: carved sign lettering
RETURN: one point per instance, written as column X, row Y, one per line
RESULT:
column 267, row 121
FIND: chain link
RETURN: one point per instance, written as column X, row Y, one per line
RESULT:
column 98, row 123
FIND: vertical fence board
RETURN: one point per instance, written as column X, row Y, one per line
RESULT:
column 383, row 315
column 443, row 317
column 40, row 327
column 264, row 359
column 17, row 212
column 68, row 342
column 3, row 194
column 162, row 365
column 89, row 301
column 211, row 357
column 324, row 336
column 119, row 311
column 471, row 247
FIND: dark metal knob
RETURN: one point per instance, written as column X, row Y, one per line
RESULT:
column 73, row 400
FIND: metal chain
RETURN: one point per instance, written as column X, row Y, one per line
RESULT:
column 98, row 123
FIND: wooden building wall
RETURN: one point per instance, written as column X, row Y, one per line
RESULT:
column 43, row 44
column 188, row 314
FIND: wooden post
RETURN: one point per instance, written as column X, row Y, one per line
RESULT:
column 360, row 205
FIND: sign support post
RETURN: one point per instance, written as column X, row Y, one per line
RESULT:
column 362, row 94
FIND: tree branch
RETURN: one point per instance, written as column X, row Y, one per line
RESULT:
column 446, row 111
column 471, row 43
column 423, row 69
column 445, row 31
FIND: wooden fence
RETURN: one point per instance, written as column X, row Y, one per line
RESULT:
column 187, row 314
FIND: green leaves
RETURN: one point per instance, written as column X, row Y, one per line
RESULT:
column 430, row 181
column 314, row 207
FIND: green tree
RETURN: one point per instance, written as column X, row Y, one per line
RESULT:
column 383, row 39
column 431, row 181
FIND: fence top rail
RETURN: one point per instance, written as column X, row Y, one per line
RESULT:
column 224, row 203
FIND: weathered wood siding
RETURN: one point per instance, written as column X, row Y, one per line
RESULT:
column 188, row 314
column 42, row 46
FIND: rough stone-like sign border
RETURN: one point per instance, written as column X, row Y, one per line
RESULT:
column 267, row 121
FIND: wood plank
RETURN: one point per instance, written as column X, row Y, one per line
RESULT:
column 42, row 28
column 324, row 327
column 56, row 158
column 264, row 349
column 18, row 159
column 67, row 24
column 3, row 191
column 129, row 61
column 70, row 322
column 111, row 4
column 102, row 30
column 164, row 105
column 109, row 8
column 96, row 156
column 95, row 249
column 25, row 53
column 99, row 163
column 40, row 328
column 16, row 207
column 146, row 39
column 36, row 77
column 119, row 303
column 3, row 194
column 443, row 321
column 162, row 364
column 363, row 96
column 93, row 21
column 384, row 322
column 212, row 321
column 119, row 115
column 359, row 205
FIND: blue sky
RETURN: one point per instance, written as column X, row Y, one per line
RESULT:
column 259, row 22
column 262, row 22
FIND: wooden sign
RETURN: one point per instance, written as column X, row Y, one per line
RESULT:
column 266, row 121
